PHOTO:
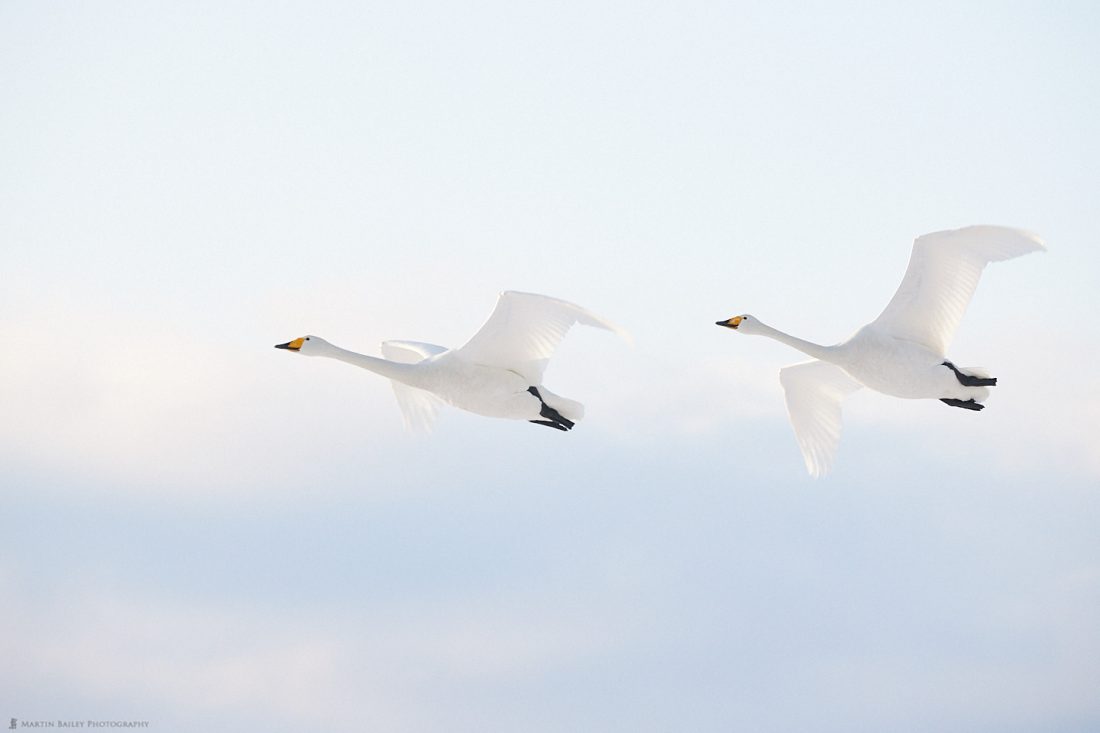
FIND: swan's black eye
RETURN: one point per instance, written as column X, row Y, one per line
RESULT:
column 307, row 338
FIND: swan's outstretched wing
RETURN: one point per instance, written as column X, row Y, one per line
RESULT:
column 523, row 332
column 418, row 407
column 943, row 272
column 410, row 352
column 814, row 392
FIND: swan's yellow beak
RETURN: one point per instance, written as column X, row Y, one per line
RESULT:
column 731, row 323
column 292, row 345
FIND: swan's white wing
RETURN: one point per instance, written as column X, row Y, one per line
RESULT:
column 814, row 392
column 523, row 332
column 410, row 352
column 418, row 407
column 943, row 272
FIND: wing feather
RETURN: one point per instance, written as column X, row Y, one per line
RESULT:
column 419, row 408
column 410, row 352
column 523, row 332
column 944, row 269
column 815, row 391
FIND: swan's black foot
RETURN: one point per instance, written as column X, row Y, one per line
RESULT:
column 553, row 418
column 549, row 423
column 965, row 404
column 968, row 380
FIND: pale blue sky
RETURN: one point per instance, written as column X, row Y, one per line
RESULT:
column 211, row 535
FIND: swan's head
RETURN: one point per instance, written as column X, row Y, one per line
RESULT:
column 741, row 324
column 308, row 345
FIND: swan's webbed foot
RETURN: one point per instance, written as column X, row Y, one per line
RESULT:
column 965, row 404
column 968, row 380
column 550, row 423
column 553, row 418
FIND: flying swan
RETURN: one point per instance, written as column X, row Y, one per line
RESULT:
column 902, row 352
column 498, row 373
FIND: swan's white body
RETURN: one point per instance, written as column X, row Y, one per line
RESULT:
column 493, row 374
column 902, row 352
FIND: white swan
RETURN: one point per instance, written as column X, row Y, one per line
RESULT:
column 902, row 352
column 498, row 373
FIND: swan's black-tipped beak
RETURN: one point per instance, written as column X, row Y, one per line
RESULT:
column 291, row 345
column 730, row 322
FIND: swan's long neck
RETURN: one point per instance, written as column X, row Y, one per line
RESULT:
column 391, row 369
column 825, row 353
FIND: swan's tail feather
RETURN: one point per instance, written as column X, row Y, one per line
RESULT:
column 568, row 408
